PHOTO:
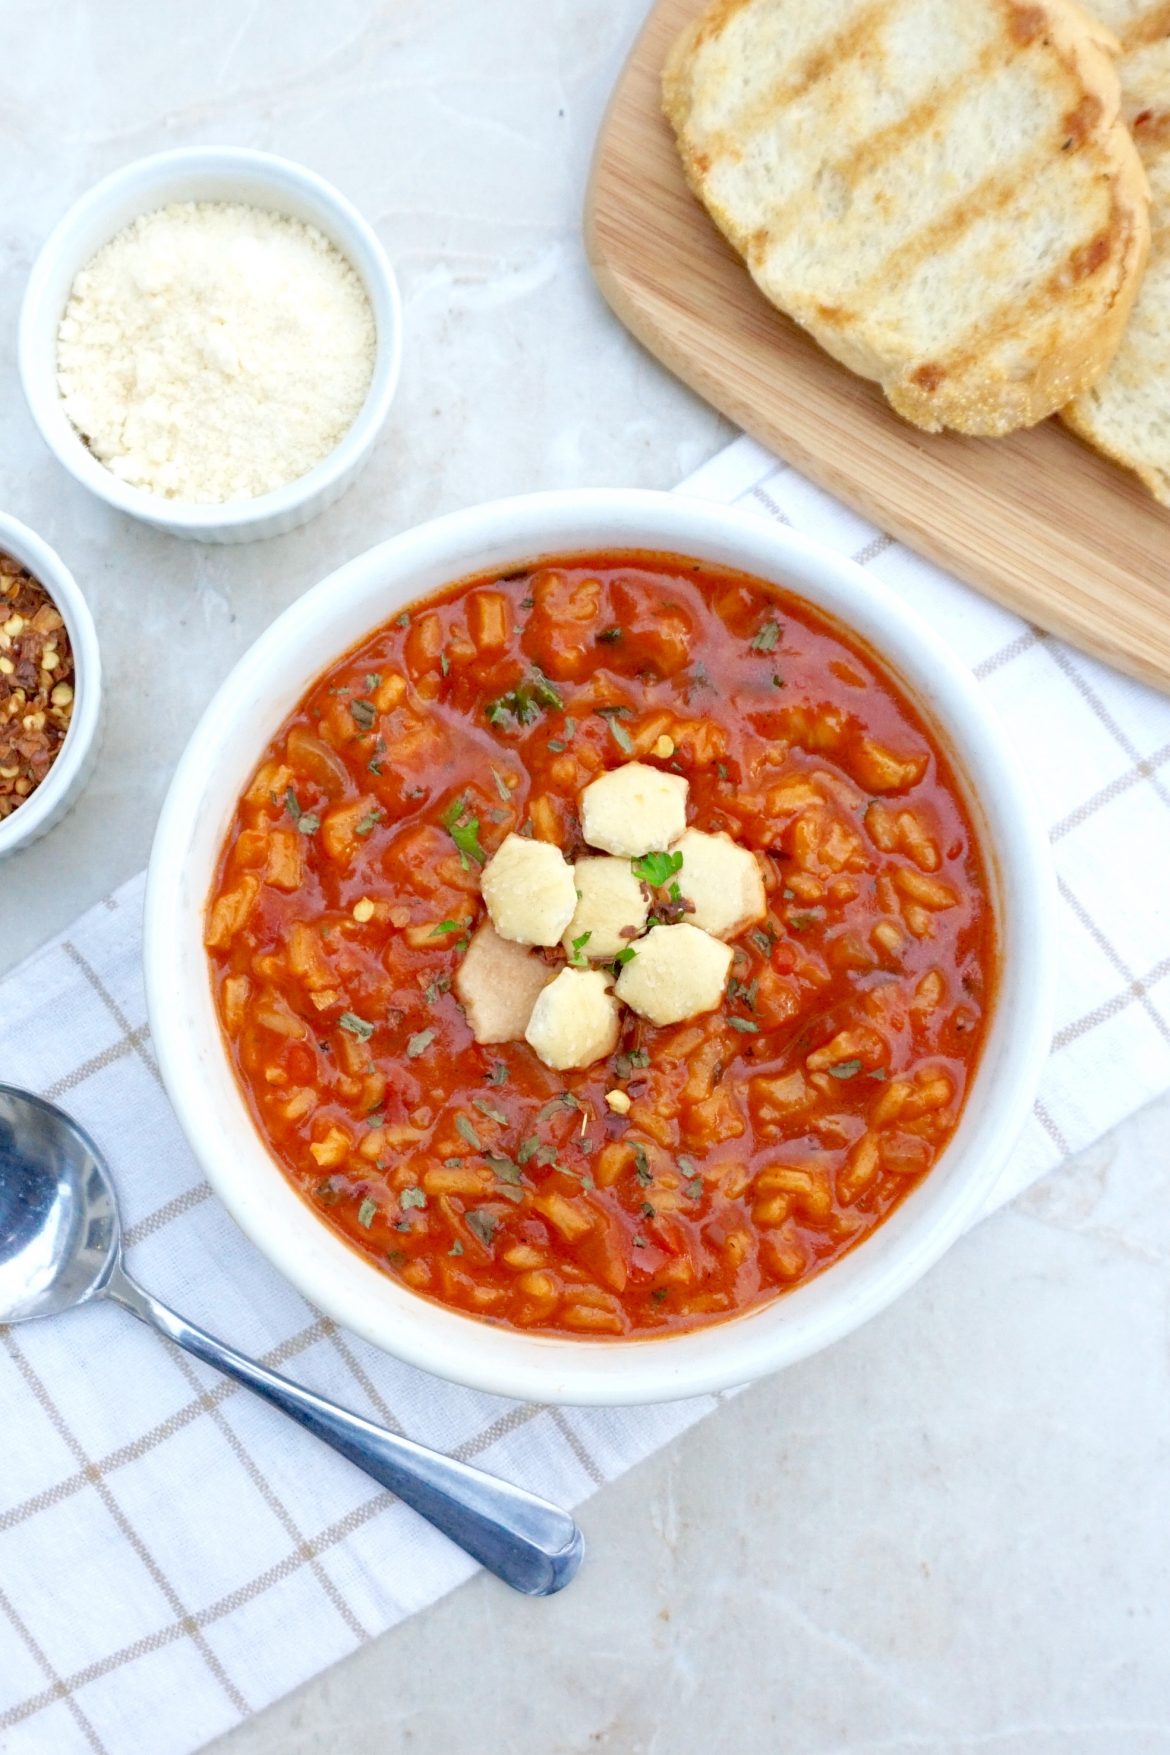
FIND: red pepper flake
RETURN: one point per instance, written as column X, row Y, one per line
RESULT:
column 36, row 684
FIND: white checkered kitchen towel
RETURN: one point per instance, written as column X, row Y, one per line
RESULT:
column 173, row 1555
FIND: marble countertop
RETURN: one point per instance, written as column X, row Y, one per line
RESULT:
column 948, row 1533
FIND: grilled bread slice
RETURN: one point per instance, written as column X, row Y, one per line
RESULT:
column 1126, row 413
column 941, row 191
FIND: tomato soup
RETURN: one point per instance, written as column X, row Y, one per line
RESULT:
column 694, row 1167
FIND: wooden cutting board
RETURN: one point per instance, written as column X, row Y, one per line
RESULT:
column 1037, row 521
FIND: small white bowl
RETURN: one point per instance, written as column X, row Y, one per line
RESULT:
column 219, row 760
column 206, row 173
column 65, row 780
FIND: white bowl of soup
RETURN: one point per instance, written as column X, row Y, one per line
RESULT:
column 738, row 1174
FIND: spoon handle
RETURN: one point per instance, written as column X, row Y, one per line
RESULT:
column 529, row 1543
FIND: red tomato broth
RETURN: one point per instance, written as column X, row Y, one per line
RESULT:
column 476, row 1175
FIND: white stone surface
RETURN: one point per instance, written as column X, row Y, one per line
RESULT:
column 949, row 1533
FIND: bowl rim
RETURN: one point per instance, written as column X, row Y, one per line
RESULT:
column 46, row 566
column 328, row 1271
column 151, row 177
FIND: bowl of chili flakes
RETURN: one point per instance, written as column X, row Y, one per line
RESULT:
column 50, row 688
column 379, row 591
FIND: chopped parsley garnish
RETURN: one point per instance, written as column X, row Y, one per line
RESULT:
column 737, row 991
column 544, row 691
column 566, row 1100
column 464, row 831
column 419, row 1044
column 642, row 1167
column 657, row 869
column 626, row 1062
column 364, row 714
column 412, row 1197
column 374, row 680
column 356, row 1026
column 767, row 636
column 456, row 1248
column 375, row 766
column 626, row 956
column 370, row 822
column 745, row 1026
column 762, row 941
column 465, row 1127
column 721, row 770
column 638, row 1240
column 523, row 704
column 447, row 926
column 304, row 820
column 694, row 1188
column 648, row 1210
column 802, row 922
column 490, row 1110
column 528, row 1147
column 507, row 1171
column 613, row 715
column 483, row 1224
column 497, row 1073
column 845, row 1069
column 577, row 953
column 444, row 663
column 607, row 636
column 366, row 1213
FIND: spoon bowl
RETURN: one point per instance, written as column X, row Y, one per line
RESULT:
column 59, row 1230
column 60, row 1247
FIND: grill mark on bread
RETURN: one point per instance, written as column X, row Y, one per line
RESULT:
column 1013, row 316
column 1081, row 122
column 1026, row 23
column 1151, row 133
column 716, row 19
column 847, row 44
column 1151, row 27
column 928, row 377
column 868, row 154
column 1090, row 257
column 992, row 195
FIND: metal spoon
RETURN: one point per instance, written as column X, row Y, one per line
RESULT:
column 61, row 1245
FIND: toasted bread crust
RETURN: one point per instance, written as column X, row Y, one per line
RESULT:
column 1126, row 413
column 1011, row 358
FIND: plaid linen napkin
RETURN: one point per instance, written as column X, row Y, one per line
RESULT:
column 172, row 1555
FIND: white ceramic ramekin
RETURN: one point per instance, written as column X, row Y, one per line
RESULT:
column 267, row 683
column 206, row 173
column 63, row 784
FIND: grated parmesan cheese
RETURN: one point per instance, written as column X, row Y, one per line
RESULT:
column 213, row 351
